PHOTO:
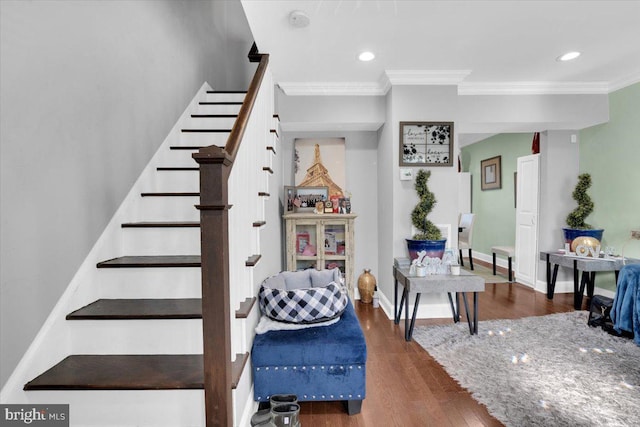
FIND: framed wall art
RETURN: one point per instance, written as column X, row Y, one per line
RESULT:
column 426, row 144
column 491, row 173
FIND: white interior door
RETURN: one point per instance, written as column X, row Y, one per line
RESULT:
column 528, row 184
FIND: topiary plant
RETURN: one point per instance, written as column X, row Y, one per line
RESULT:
column 576, row 219
column 428, row 230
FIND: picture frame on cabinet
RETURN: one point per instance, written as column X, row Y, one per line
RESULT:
column 307, row 197
column 289, row 199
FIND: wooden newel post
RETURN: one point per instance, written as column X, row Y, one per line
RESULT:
column 215, row 166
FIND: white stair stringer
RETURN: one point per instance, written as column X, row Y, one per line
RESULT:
column 59, row 337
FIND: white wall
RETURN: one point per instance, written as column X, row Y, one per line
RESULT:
column 530, row 113
column 89, row 90
column 559, row 169
column 361, row 152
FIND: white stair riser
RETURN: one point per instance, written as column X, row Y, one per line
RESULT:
column 162, row 241
column 124, row 408
column 175, row 208
column 176, row 158
column 217, row 109
column 175, row 181
column 224, row 97
column 156, row 336
column 210, row 123
column 203, row 139
column 183, row 282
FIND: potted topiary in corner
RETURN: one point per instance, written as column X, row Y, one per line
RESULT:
column 577, row 227
column 429, row 238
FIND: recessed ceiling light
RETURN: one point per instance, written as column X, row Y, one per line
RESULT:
column 366, row 56
column 568, row 56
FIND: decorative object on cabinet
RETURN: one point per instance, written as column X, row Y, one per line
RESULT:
column 491, row 173
column 344, row 205
column 426, row 144
column 332, row 239
column 310, row 169
column 304, row 199
column 289, row 198
column 429, row 239
column 366, row 286
column 576, row 220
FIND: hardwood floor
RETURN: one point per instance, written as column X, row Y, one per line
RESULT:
column 406, row 386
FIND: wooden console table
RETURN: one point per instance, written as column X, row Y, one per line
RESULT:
column 465, row 282
column 588, row 266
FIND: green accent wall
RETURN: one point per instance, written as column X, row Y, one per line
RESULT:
column 610, row 152
column 495, row 209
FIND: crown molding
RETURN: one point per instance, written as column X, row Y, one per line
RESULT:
column 452, row 77
column 329, row 126
column 533, row 88
column 624, row 82
column 425, row 77
column 332, row 88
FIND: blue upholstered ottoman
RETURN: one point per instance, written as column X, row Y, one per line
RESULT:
column 321, row 363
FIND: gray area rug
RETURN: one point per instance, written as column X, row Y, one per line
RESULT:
column 550, row 370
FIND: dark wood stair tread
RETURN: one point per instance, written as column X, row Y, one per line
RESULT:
column 213, row 116
column 152, row 261
column 206, row 130
column 187, row 147
column 123, row 372
column 124, row 309
column 220, row 103
column 172, row 194
column 161, row 224
column 226, row 91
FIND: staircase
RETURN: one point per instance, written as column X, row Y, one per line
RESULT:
column 138, row 346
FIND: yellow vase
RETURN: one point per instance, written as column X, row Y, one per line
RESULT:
column 366, row 286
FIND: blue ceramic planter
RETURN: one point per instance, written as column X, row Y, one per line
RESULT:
column 434, row 248
column 570, row 234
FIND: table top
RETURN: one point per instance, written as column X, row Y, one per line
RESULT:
column 465, row 282
column 586, row 263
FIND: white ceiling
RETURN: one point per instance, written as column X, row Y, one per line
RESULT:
column 484, row 46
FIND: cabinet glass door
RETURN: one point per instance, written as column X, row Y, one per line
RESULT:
column 306, row 237
column 335, row 245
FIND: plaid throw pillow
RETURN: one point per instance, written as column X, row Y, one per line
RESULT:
column 309, row 305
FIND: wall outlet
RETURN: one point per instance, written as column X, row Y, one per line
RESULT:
column 635, row 234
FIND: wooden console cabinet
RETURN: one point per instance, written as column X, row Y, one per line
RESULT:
column 321, row 241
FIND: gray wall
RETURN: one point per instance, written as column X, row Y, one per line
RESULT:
column 89, row 90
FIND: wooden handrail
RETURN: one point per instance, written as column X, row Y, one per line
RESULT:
column 239, row 127
column 215, row 168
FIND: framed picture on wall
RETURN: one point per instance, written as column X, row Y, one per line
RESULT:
column 426, row 144
column 491, row 173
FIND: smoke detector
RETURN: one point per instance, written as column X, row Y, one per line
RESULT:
column 298, row 19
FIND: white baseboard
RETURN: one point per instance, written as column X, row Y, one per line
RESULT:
column 431, row 306
column 566, row 287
